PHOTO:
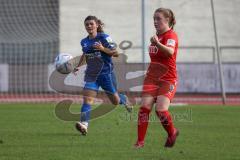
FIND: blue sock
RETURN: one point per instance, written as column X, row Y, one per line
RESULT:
column 122, row 99
column 85, row 112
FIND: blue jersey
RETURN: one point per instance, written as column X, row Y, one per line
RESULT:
column 97, row 62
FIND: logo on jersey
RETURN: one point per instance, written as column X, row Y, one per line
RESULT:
column 171, row 42
column 93, row 55
column 84, row 45
column 153, row 49
column 109, row 40
column 111, row 43
column 171, row 88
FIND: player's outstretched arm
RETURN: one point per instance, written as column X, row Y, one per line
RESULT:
column 81, row 62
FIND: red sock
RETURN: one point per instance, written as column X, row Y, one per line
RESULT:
column 143, row 117
column 166, row 120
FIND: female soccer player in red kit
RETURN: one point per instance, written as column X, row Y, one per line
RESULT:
column 161, row 78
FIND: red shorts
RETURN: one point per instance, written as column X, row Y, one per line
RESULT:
column 155, row 88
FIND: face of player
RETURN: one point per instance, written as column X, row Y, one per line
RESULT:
column 160, row 22
column 91, row 27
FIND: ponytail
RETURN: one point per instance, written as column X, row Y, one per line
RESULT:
column 172, row 20
column 100, row 26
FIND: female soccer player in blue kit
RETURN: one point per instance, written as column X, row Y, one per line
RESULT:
column 98, row 49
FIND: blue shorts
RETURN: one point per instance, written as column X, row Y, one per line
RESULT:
column 106, row 81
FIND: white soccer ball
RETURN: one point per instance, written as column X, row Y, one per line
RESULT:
column 63, row 63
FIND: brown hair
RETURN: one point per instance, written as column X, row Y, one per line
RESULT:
column 98, row 22
column 168, row 13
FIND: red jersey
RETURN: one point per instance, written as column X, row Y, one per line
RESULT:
column 164, row 66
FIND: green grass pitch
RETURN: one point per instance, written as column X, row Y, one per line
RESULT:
column 32, row 131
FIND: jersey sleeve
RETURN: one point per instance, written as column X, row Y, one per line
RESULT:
column 108, row 42
column 81, row 43
column 171, row 40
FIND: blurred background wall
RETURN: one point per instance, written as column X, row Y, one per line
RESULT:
column 33, row 32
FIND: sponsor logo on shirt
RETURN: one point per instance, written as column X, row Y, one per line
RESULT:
column 93, row 55
column 171, row 42
column 153, row 49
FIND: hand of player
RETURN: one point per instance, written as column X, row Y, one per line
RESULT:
column 98, row 45
column 154, row 39
column 114, row 53
column 75, row 71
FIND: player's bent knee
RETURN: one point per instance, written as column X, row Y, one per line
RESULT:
column 162, row 103
column 147, row 104
column 147, row 101
column 116, row 100
column 88, row 100
column 162, row 107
